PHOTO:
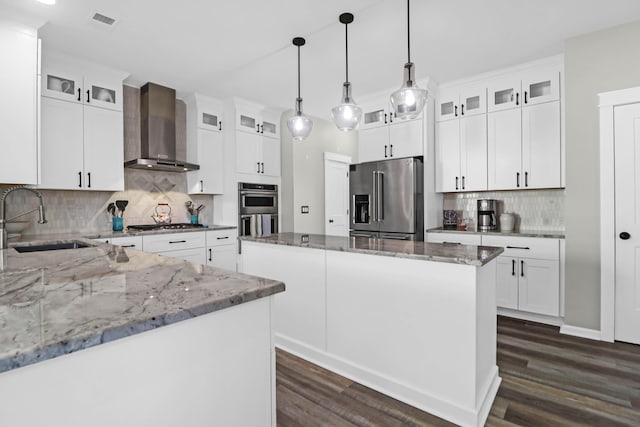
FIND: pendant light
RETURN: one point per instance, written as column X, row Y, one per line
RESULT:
column 409, row 100
column 347, row 115
column 299, row 125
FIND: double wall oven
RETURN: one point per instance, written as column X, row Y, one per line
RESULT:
column 258, row 209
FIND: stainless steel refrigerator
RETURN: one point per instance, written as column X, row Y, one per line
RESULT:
column 387, row 199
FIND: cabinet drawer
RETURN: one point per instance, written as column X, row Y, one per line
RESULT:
column 195, row 255
column 222, row 237
column 173, row 242
column 525, row 247
column 465, row 239
column 126, row 242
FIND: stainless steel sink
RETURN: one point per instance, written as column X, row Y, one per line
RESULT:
column 75, row 244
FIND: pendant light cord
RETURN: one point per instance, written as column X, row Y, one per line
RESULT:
column 408, row 34
column 298, row 71
column 346, row 51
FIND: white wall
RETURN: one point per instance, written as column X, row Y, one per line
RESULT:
column 303, row 172
column 598, row 62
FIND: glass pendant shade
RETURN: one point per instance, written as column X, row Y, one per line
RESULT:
column 408, row 101
column 299, row 125
column 347, row 115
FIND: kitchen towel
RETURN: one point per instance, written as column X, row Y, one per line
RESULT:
column 266, row 225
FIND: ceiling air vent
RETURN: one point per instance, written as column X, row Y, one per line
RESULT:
column 103, row 21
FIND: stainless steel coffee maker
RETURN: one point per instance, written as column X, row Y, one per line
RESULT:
column 487, row 214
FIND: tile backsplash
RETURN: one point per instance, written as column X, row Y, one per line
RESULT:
column 535, row 210
column 85, row 211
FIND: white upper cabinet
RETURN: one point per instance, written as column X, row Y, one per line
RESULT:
column 524, row 130
column 19, row 103
column 257, row 140
column 382, row 136
column 461, row 139
column 461, row 101
column 526, row 88
column 258, row 121
column 81, row 125
column 205, row 145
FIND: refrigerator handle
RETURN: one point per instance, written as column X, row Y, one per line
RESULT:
column 380, row 196
column 353, row 209
column 374, row 197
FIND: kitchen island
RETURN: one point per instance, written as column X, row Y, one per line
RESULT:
column 104, row 335
column 413, row 320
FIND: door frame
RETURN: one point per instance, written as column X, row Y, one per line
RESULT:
column 607, row 103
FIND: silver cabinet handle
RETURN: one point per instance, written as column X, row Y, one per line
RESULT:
column 353, row 209
column 374, row 197
column 380, row 196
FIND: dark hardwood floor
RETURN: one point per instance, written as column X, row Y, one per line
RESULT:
column 548, row 379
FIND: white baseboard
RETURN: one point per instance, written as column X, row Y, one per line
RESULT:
column 533, row 317
column 576, row 331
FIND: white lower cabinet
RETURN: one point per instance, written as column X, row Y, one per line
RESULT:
column 125, row 241
column 187, row 246
column 222, row 249
column 528, row 277
column 455, row 238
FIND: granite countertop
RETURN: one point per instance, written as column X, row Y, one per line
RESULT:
column 457, row 254
column 58, row 302
column 549, row 234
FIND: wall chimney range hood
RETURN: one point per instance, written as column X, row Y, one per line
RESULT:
column 158, row 131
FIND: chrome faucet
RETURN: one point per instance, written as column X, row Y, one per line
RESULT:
column 3, row 212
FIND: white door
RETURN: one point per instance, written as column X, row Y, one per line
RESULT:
column 503, row 93
column 504, row 150
column 61, row 145
column 447, row 104
column 103, row 152
column 208, row 179
column 223, row 257
column 270, row 162
column 541, row 146
column 448, row 156
column 375, row 114
column 627, row 208
column 336, row 197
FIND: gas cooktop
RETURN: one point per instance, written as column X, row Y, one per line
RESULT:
column 177, row 226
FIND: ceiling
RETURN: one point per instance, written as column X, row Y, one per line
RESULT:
column 243, row 47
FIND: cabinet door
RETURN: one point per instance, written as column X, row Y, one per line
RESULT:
column 208, row 180
column 504, row 150
column 503, row 93
column 473, row 153
column 373, row 144
column 270, row 126
column 103, row 149
column 60, row 83
column 539, row 288
column 375, row 115
column 473, row 100
column 18, row 118
column 223, row 257
column 247, row 152
column 208, row 114
column 447, row 104
column 448, row 156
column 270, row 162
column 102, row 91
column 248, row 120
column 541, row 145
column 61, row 145
column 540, row 86
column 406, row 139
column 507, row 282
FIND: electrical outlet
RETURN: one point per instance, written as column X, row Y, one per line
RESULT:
column 304, row 209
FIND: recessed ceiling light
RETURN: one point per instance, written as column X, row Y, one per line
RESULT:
column 47, row 1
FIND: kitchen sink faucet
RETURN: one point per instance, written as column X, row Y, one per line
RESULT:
column 3, row 212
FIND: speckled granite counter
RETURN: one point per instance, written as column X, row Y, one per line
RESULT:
column 111, row 234
column 58, row 302
column 552, row 234
column 457, row 254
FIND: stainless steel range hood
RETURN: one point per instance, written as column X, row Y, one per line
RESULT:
column 158, row 131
